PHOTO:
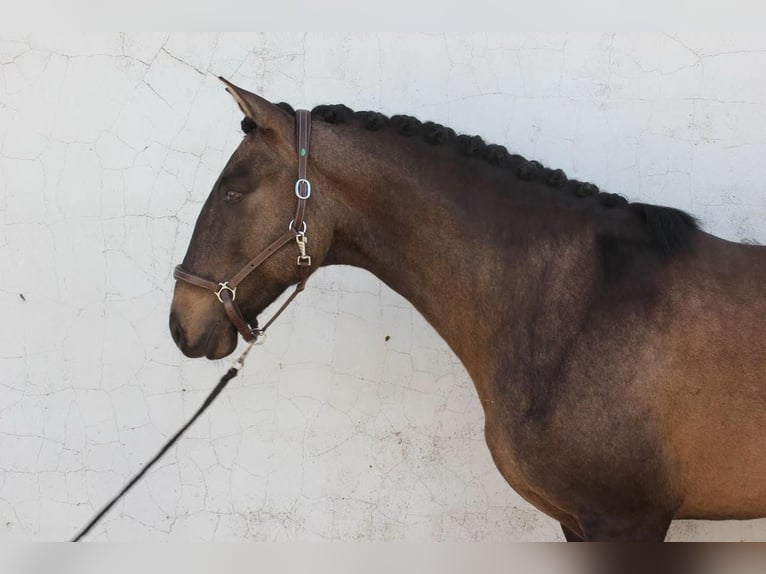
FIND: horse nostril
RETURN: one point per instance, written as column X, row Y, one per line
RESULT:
column 176, row 331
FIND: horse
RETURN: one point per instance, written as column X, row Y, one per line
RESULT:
column 616, row 348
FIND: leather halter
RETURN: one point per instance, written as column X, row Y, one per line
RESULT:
column 226, row 292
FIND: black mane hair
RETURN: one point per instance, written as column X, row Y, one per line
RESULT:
column 669, row 230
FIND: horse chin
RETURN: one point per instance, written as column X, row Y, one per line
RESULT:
column 222, row 343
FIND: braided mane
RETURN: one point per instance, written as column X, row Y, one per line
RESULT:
column 670, row 230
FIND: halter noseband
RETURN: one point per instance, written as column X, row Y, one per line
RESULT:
column 226, row 292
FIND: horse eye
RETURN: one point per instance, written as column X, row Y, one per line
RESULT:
column 233, row 196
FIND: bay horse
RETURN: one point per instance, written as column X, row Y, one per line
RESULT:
column 618, row 351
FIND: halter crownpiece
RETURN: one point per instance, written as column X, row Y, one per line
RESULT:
column 226, row 291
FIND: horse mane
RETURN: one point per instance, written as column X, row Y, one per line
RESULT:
column 669, row 230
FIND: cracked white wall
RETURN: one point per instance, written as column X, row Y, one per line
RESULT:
column 109, row 146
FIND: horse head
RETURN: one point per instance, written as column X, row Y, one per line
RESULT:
column 251, row 210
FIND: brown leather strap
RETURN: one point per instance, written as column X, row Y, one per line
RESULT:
column 179, row 273
column 302, row 144
column 300, row 215
column 234, row 313
column 251, row 265
column 303, row 141
column 298, row 288
column 226, row 291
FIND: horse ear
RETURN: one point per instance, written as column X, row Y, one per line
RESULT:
column 265, row 114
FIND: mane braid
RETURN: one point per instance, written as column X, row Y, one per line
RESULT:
column 669, row 230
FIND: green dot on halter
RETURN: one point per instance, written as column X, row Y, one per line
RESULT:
column 303, row 151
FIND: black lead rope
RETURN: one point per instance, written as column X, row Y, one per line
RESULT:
column 230, row 374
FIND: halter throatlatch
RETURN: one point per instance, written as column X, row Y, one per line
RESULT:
column 226, row 291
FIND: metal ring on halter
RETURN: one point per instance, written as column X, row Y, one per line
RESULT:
column 258, row 334
column 298, row 188
column 303, row 228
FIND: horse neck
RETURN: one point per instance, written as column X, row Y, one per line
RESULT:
column 468, row 258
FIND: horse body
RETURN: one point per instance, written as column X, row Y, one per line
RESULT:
column 716, row 388
column 617, row 351
column 660, row 411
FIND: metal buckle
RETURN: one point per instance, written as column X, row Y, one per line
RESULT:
column 298, row 188
column 259, row 335
column 225, row 287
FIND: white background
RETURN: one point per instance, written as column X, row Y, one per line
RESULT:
column 109, row 146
